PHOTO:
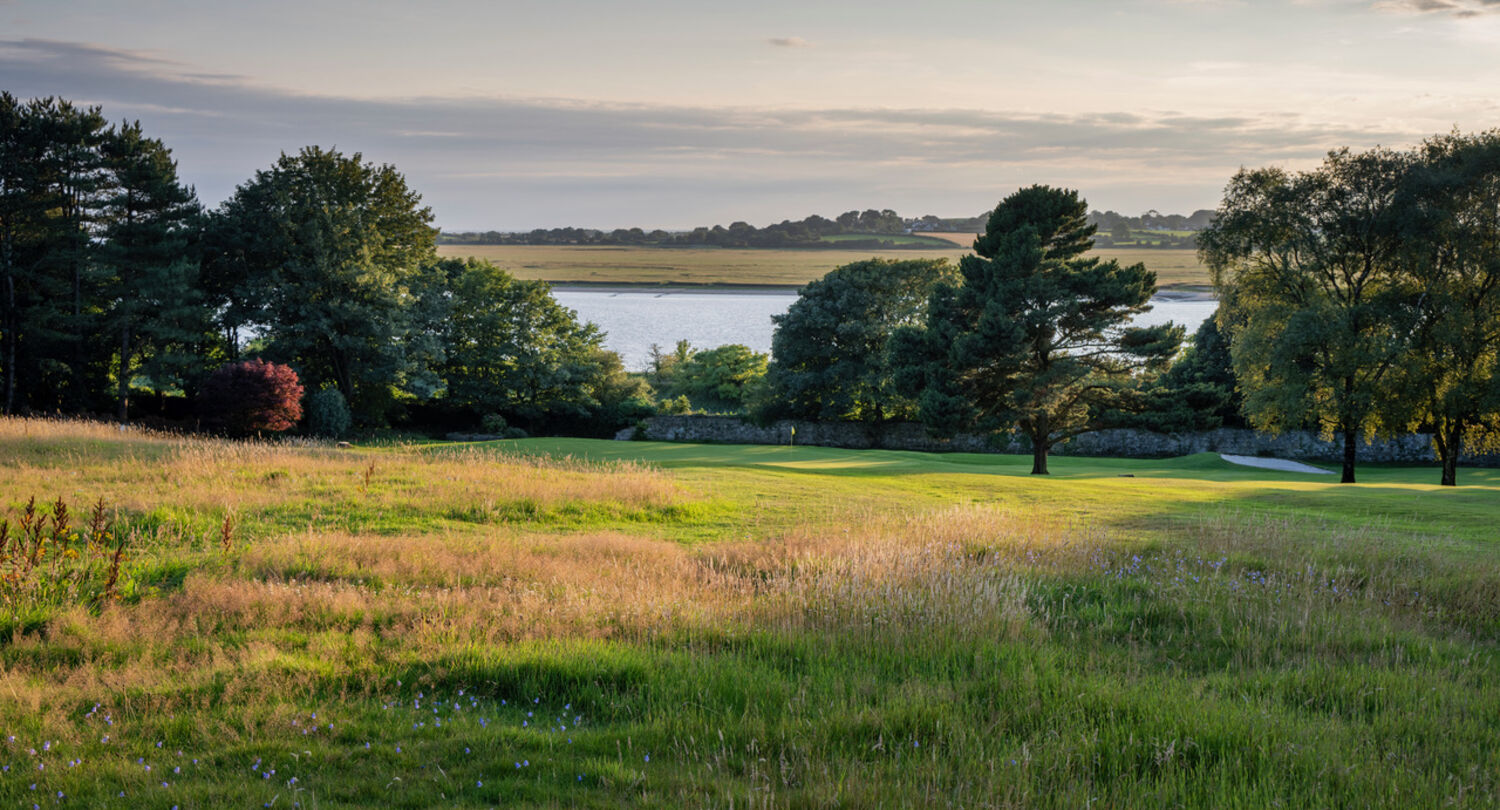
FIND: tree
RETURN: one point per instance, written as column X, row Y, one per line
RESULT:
column 327, row 414
column 1120, row 233
column 1450, row 237
column 51, row 181
column 1035, row 334
column 1305, row 267
column 830, row 352
column 1197, row 392
column 320, row 252
column 723, row 378
column 508, row 347
column 150, row 293
column 252, row 396
column 666, row 365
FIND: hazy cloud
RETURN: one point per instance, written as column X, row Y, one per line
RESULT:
column 789, row 42
column 1457, row 8
column 522, row 163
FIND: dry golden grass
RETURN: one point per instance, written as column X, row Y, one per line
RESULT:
column 417, row 596
column 140, row 473
column 963, row 240
column 561, row 264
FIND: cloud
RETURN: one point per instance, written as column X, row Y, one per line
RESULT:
column 1457, row 8
column 789, row 42
column 528, row 162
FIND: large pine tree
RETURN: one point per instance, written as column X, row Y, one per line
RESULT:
column 153, row 306
column 1035, row 334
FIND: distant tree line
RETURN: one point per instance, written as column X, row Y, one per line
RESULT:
column 1108, row 221
column 118, row 288
column 805, row 233
column 812, row 231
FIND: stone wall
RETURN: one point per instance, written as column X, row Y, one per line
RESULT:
column 1300, row 445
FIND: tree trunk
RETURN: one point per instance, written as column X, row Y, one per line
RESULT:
column 1349, row 452
column 1039, row 432
column 1450, row 442
column 125, row 375
column 10, row 344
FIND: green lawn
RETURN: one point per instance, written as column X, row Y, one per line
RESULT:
column 577, row 623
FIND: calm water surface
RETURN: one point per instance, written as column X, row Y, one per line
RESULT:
column 633, row 321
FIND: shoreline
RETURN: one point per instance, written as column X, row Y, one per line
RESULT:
column 1183, row 293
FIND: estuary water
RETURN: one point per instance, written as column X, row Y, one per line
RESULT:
column 634, row 319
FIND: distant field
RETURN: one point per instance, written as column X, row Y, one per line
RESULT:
column 766, row 266
column 962, row 239
column 937, row 243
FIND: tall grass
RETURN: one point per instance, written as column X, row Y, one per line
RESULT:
column 581, row 654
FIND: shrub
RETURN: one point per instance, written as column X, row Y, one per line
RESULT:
column 327, row 414
column 252, row 396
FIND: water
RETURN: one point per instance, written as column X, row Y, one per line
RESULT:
column 633, row 321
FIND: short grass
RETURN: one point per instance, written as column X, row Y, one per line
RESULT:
column 1175, row 269
column 574, row 623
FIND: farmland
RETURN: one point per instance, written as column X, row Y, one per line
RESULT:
column 1175, row 269
column 562, row 622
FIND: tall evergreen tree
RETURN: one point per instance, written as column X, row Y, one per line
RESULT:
column 52, row 179
column 1035, row 335
column 150, row 287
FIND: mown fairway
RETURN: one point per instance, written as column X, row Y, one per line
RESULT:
column 1176, row 269
column 581, row 623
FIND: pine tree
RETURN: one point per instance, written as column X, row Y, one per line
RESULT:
column 1035, row 335
column 152, row 302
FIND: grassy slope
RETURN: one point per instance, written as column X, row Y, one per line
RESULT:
column 770, row 626
column 1176, row 269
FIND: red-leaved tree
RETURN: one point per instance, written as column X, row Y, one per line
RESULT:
column 252, row 396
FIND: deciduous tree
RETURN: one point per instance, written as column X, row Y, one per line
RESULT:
column 1450, row 233
column 320, row 253
column 1306, row 266
column 830, row 355
column 252, row 396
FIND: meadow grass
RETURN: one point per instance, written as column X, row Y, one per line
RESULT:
column 692, row 625
column 783, row 267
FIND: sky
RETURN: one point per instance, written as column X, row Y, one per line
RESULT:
column 512, row 115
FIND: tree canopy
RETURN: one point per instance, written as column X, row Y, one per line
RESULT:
column 830, row 351
column 1449, row 380
column 322, row 250
column 1306, row 269
column 97, row 269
